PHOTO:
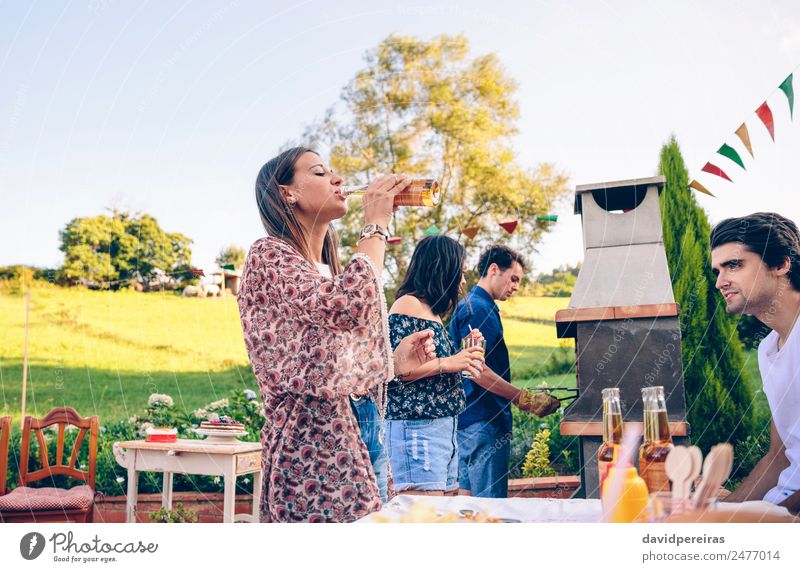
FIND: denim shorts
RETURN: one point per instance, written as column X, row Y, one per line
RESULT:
column 369, row 423
column 423, row 453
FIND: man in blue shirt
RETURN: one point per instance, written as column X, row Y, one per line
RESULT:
column 484, row 428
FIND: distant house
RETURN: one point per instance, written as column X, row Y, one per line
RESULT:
column 228, row 280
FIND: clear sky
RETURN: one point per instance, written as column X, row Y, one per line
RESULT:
column 172, row 107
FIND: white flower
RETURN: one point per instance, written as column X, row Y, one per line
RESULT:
column 134, row 419
column 246, row 480
column 145, row 426
column 201, row 413
column 216, row 480
column 120, row 479
column 160, row 399
column 219, row 404
column 249, row 394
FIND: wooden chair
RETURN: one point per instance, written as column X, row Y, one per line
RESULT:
column 5, row 432
column 50, row 504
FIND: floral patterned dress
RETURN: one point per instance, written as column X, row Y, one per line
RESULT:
column 312, row 341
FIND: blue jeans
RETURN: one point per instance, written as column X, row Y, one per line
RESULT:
column 484, row 451
column 369, row 422
column 423, row 453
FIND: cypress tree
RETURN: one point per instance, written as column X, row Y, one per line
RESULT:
column 718, row 398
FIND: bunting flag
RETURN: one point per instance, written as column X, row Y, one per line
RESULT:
column 729, row 152
column 698, row 187
column 228, row 267
column 197, row 272
column 765, row 115
column 744, row 135
column 470, row 231
column 394, row 240
column 714, row 170
column 509, row 226
column 786, row 88
column 548, row 218
column 431, row 230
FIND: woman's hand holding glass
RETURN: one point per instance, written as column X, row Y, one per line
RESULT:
column 470, row 360
column 379, row 198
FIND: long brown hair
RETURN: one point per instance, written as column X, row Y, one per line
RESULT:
column 278, row 217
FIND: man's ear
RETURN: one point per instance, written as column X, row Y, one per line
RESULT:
column 784, row 268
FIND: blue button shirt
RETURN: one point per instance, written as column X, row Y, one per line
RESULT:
column 479, row 311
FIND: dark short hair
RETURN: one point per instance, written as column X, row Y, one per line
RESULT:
column 434, row 273
column 501, row 255
column 773, row 237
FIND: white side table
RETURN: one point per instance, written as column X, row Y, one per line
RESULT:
column 192, row 457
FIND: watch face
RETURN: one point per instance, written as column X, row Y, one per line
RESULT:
column 370, row 228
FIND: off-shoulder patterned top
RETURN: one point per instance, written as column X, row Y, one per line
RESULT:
column 312, row 341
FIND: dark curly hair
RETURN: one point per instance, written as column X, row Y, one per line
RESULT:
column 773, row 237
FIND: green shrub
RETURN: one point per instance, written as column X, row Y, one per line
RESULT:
column 537, row 461
column 178, row 514
column 563, row 449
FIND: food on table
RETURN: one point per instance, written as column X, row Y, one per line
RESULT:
column 423, row 511
column 161, row 435
column 222, row 423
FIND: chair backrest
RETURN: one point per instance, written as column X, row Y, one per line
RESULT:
column 5, row 432
column 61, row 416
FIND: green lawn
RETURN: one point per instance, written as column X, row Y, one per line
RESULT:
column 105, row 352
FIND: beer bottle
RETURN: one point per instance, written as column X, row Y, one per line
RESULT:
column 657, row 440
column 612, row 431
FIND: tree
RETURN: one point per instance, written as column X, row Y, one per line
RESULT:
column 426, row 108
column 717, row 391
column 113, row 249
column 231, row 255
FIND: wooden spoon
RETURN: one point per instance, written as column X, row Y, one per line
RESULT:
column 697, row 457
column 679, row 466
column 716, row 470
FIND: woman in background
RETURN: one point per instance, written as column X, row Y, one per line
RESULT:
column 422, row 409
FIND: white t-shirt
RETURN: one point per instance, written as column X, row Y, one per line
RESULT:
column 780, row 372
column 324, row 269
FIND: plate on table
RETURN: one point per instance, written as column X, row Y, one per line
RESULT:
column 220, row 434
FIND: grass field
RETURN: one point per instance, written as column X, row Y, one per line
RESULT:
column 105, row 352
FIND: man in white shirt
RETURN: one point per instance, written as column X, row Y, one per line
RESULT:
column 756, row 260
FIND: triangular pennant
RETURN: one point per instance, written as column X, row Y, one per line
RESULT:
column 744, row 135
column 509, row 226
column 228, row 267
column 765, row 115
column 786, row 87
column 714, row 170
column 470, row 231
column 729, row 152
column 197, row 272
column 394, row 240
column 431, row 230
column 548, row 218
column 698, row 187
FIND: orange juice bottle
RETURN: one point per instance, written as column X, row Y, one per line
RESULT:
column 624, row 495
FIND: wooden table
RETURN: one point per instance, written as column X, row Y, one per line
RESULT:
column 192, row 457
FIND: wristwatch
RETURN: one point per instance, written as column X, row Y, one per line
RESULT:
column 371, row 230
